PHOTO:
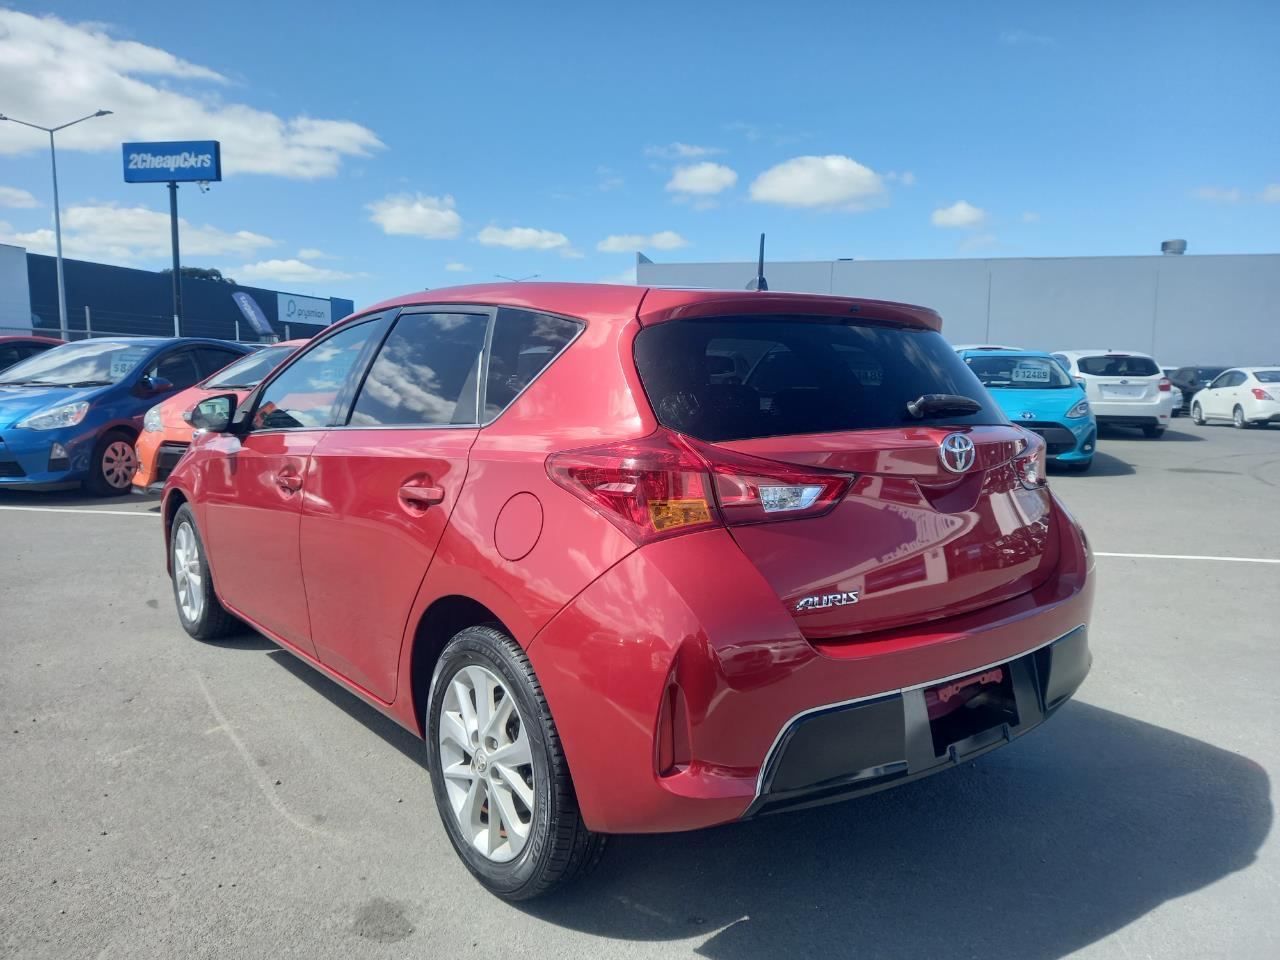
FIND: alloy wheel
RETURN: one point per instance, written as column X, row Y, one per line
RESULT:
column 119, row 464
column 188, row 580
column 487, row 763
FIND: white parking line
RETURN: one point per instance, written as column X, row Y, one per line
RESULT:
column 110, row 513
column 1181, row 556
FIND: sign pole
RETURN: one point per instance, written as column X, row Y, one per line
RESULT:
column 177, row 270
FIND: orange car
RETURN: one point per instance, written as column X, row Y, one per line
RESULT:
column 166, row 435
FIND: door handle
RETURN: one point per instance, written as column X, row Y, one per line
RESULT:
column 289, row 482
column 419, row 496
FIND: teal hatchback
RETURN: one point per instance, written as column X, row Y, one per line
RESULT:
column 1035, row 392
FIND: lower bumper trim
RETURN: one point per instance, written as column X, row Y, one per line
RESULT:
column 852, row 749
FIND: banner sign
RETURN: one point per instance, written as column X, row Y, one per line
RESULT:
column 294, row 309
column 182, row 160
column 253, row 313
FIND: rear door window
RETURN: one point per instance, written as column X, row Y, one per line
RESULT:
column 742, row 377
column 212, row 359
column 1118, row 365
column 524, row 344
column 427, row 372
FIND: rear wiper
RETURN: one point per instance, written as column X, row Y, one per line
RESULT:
column 938, row 404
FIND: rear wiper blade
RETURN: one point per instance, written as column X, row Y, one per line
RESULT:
column 937, row 404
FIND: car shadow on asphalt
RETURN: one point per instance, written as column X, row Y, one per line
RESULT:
column 1034, row 851
column 1104, row 465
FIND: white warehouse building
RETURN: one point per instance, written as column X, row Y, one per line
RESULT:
column 1183, row 310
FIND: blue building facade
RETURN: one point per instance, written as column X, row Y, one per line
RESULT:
column 121, row 300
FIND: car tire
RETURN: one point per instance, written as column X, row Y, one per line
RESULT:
column 112, row 465
column 556, row 847
column 200, row 612
column 1153, row 433
column 1197, row 415
column 1079, row 466
column 1237, row 418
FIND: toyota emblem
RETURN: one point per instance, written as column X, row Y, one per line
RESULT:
column 956, row 453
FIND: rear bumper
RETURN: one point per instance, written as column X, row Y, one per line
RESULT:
column 1134, row 413
column 847, row 750
column 675, row 677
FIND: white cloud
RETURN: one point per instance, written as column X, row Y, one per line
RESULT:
column 1030, row 216
column 16, row 197
column 416, row 215
column 702, row 179
column 1270, row 194
column 52, row 70
column 680, row 151
column 631, row 242
column 1025, row 38
column 627, row 276
column 455, row 267
column 959, row 214
column 906, row 178
column 114, row 234
column 527, row 238
column 979, row 241
column 1218, row 194
column 289, row 271
column 609, row 179
column 311, row 253
column 832, row 181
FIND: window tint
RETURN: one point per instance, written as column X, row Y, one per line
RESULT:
column 212, row 359
column 427, row 372
column 304, row 393
column 736, row 378
column 1118, row 365
column 11, row 353
column 1238, row 378
column 524, row 343
column 1267, row 376
column 1220, row 382
column 178, row 368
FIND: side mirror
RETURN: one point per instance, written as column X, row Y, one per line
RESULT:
column 213, row 414
column 151, row 386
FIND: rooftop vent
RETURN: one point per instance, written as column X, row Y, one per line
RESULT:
column 1173, row 248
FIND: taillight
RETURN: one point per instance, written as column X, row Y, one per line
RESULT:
column 1032, row 463
column 1262, row 394
column 666, row 484
column 1165, row 385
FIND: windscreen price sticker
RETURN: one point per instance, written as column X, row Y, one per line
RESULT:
column 1031, row 373
column 123, row 362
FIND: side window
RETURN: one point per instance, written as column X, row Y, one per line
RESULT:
column 303, row 395
column 524, row 343
column 1223, row 380
column 179, row 368
column 1238, row 378
column 212, row 359
column 10, row 353
column 427, row 372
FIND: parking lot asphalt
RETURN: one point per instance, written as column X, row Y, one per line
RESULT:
column 161, row 797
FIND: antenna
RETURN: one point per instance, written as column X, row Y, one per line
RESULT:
column 759, row 283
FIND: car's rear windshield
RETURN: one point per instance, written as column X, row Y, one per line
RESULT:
column 1019, row 373
column 1267, row 376
column 1118, row 365
column 249, row 372
column 737, row 378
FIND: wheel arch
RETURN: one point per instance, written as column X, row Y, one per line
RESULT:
column 439, row 623
column 172, row 503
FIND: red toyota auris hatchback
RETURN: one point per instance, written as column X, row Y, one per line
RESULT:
column 639, row 560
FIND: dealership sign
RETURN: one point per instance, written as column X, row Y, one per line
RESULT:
column 180, row 160
column 295, row 309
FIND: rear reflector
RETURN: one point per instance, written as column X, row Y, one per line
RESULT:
column 665, row 484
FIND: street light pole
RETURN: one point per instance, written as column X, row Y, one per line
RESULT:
column 57, row 211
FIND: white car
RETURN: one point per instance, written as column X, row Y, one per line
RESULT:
column 1247, row 396
column 1124, row 389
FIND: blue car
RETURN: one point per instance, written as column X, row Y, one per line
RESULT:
column 1035, row 392
column 69, row 416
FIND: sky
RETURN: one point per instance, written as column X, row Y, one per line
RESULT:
column 389, row 147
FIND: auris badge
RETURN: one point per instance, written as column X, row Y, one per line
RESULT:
column 956, row 452
column 821, row 601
